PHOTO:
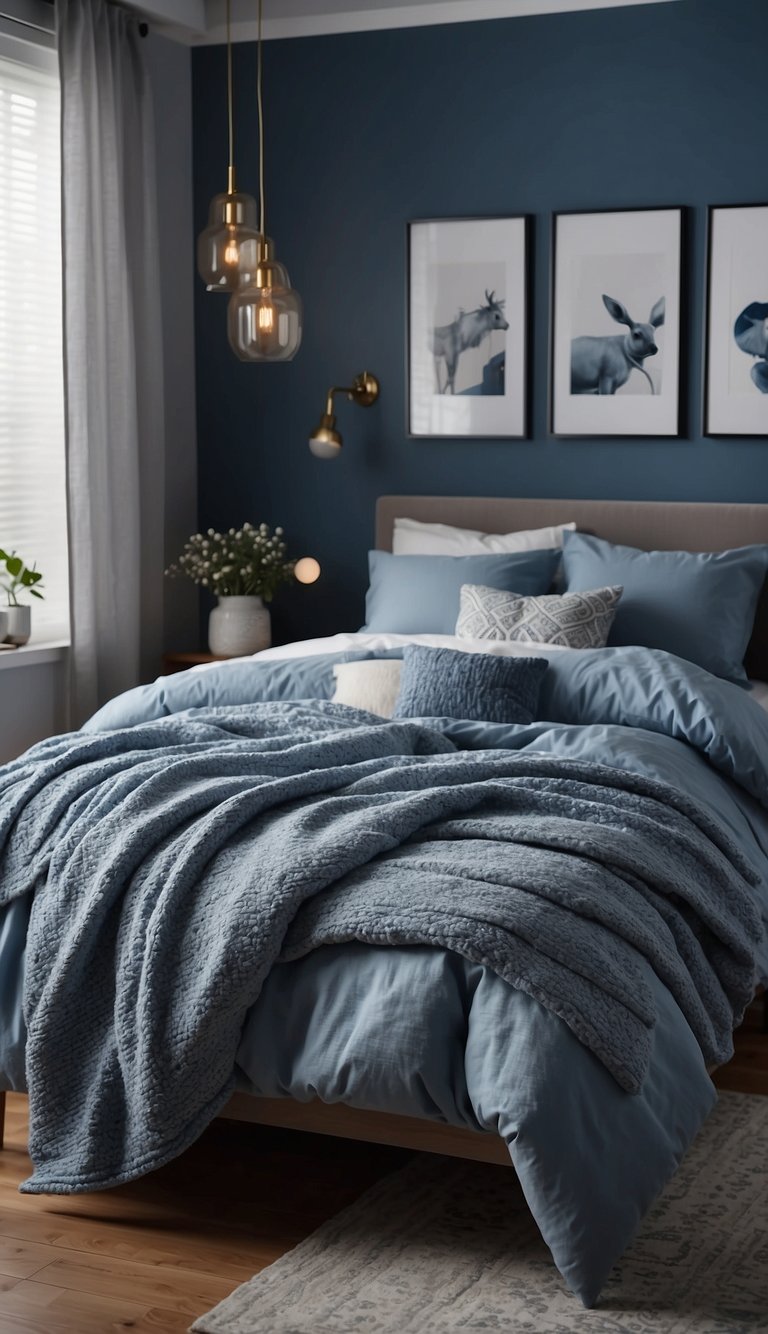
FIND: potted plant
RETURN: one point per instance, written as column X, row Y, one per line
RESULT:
column 16, row 577
column 243, row 569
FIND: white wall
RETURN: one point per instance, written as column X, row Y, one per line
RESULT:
column 32, row 703
column 33, row 694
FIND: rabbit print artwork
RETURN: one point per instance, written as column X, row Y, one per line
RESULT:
column 601, row 365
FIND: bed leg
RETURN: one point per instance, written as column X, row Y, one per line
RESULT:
column 2, row 1119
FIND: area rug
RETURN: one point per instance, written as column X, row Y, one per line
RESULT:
column 445, row 1245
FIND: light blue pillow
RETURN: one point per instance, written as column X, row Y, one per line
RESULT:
column 446, row 683
column 698, row 605
column 412, row 595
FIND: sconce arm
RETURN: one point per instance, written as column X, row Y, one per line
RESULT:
column 364, row 391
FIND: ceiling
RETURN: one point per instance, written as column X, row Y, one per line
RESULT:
column 203, row 21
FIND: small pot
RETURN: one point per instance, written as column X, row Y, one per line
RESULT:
column 3, row 626
column 238, row 626
column 19, row 625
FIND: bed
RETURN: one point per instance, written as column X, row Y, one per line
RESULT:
column 412, row 1040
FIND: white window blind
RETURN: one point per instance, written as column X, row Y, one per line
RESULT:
column 32, row 461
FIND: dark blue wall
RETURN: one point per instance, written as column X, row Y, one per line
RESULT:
column 647, row 105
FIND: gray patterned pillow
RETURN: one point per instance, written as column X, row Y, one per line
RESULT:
column 575, row 620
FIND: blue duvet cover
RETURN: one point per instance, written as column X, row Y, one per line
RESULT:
column 424, row 1030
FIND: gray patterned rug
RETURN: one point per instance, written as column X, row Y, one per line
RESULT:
column 436, row 1247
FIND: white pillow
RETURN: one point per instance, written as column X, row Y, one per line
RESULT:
column 372, row 685
column 412, row 538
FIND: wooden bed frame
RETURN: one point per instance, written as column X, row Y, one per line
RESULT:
column 650, row 525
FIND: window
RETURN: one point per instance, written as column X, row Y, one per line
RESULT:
column 32, row 459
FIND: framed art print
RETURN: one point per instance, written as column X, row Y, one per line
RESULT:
column 736, row 378
column 615, row 367
column 467, row 325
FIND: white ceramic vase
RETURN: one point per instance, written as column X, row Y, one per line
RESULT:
column 239, row 625
column 19, row 625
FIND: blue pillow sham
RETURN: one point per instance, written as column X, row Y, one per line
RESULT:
column 446, row 683
column 698, row 605
column 413, row 595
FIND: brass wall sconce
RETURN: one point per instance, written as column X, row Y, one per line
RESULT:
column 325, row 441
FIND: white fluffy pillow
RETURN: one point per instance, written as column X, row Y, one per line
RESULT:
column 372, row 684
column 413, row 538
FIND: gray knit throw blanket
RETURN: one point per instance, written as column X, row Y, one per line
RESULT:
column 174, row 862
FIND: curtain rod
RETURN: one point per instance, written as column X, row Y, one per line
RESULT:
column 39, row 16
column 29, row 14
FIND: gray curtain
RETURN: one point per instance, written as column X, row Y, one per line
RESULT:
column 113, row 353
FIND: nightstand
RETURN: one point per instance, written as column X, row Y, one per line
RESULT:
column 179, row 662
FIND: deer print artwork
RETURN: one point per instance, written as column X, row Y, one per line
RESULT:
column 468, row 330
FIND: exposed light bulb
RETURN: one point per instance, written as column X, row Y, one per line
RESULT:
column 232, row 250
column 307, row 570
column 266, row 315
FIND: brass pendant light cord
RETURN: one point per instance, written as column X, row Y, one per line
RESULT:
column 230, row 110
column 260, row 101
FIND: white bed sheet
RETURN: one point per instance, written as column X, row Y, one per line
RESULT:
column 379, row 643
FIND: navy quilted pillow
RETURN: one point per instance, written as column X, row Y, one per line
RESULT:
column 446, row 683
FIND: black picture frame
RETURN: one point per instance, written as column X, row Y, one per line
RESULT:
column 627, row 240
column 734, row 415
column 444, row 243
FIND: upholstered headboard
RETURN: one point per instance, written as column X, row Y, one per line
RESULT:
column 649, row 524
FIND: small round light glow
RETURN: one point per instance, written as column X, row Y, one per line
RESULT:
column 307, row 570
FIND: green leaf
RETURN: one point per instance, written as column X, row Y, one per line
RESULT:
column 14, row 565
column 33, row 593
column 31, row 577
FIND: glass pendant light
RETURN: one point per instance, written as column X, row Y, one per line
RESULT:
column 232, row 217
column 265, row 315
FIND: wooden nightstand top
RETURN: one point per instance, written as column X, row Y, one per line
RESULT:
column 179, row 662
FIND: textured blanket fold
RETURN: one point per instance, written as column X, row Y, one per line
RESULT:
column 173, row 863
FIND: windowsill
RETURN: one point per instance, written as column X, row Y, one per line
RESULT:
column 33, row 655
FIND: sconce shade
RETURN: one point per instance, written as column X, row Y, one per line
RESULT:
column 265, row 319
column 232, row 221
column 325, row 441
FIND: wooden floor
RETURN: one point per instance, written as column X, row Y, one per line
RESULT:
column 154, row 1255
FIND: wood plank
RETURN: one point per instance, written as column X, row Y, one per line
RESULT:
column 21, row 1259
column 174, row 1290
column 187, row 1244
column 40, row 1306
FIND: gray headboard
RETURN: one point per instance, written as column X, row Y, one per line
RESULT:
column 649, row 524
